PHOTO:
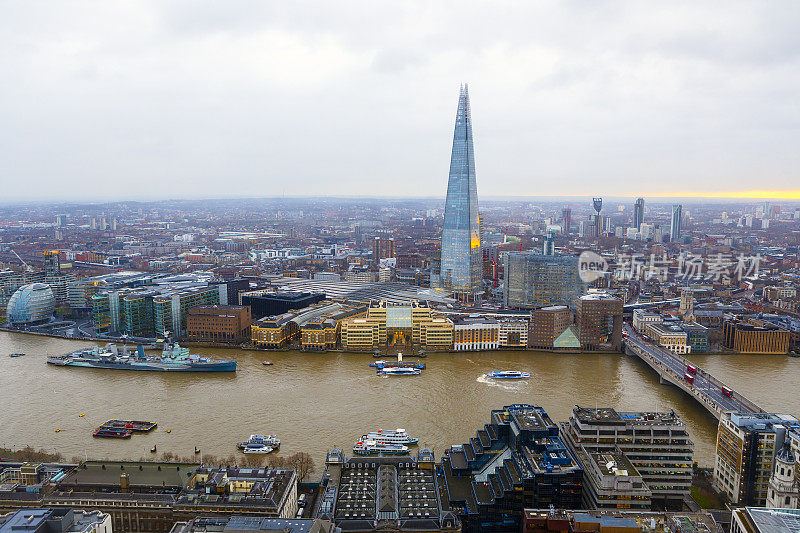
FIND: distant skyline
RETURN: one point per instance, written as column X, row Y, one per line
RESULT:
column 149, row 100
column 609, row 202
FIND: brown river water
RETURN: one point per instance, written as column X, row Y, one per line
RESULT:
column 315, row 401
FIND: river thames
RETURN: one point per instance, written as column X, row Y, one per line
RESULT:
column 315, row 401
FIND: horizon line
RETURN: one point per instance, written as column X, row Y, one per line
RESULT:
column 752, row 195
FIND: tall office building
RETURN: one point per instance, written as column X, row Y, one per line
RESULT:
column 599, row 320
column 597, row 203
column 638, row 213
column 607, row 224
column 537, row 280
column 656, row 444
column 675, row 223
column 566, row 220
column 383, row 248
column 461, row 266
column 746, row 448
column 549, row 245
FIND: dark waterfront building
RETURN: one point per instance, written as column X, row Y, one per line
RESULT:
column 461, row 259
column 277, row 303
column 599, row 320
column 516, row 461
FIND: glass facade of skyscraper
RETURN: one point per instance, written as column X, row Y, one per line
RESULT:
column 536, row 280
column 461, row 268
column 675, row 223
column 638, row 213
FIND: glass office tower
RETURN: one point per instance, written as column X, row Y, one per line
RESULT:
column 461, row 268
column 675, row 223
column 638, row 213
column 538, row 280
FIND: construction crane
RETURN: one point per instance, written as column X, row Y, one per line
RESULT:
column 28, row 268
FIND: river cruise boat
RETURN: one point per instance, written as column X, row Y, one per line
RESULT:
column 507, row 374
column 173, row 358
column 395, row 364
column 268, row 440
column 399, row 371
column 258, row 448
column 371, row 447
column 391, row 436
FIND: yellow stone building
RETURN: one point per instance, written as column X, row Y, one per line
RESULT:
column 385, row 324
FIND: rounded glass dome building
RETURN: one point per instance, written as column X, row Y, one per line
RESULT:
column 31, row 304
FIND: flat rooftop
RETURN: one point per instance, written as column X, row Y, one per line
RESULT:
column 285, row 296
column 762, row 420
column 391, row 292
column 608, row 415
column 250, row 523
column 774, row 520
column 614, row 464
column 531, row 419
column 140, row 474
column 524, row 416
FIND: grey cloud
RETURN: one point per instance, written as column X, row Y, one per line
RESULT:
column 171, row 98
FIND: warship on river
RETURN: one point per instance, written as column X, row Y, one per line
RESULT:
column 173, row 358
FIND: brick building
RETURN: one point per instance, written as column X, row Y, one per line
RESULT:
column 218, row 323
column 599, row 320
column 547, row 324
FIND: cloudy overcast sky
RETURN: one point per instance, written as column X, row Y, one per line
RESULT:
column 107, row 100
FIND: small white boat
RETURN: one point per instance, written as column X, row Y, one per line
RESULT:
column 267, row 363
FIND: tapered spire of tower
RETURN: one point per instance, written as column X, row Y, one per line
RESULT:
column 461, row 270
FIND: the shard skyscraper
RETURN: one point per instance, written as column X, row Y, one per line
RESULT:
column 461, row 264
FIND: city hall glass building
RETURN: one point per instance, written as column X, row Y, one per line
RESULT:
column 461, row 268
